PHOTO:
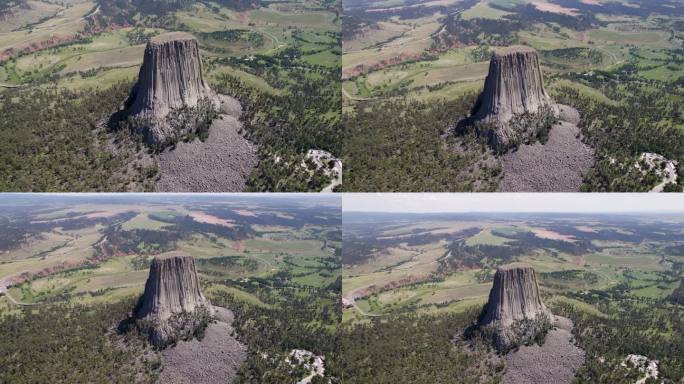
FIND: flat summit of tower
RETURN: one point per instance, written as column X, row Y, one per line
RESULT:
column 513, row 49
column 171, row 36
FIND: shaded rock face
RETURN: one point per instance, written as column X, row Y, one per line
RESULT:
column 170, row 79
column 172, row 306
column 515, row 312
column 513, row 87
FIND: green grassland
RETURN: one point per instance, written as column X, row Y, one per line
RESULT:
column 484, row 11
column 143, row 221
column 64, row 23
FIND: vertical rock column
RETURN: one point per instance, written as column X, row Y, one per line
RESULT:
column 172, row 305
column 515, row 311
column 513, row 86
column 170, row 78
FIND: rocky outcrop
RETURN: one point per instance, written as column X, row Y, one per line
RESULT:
column 515, row 313
column 170, row 80
column 172, row 307
column 513, row 88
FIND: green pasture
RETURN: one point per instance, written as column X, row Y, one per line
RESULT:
column 484, row 11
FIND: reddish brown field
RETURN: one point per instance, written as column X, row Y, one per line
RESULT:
column 202, row 217
column 551, row 235
column 244, row 212
column 554, row 8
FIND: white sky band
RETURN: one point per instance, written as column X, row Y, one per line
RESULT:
column 514, row 202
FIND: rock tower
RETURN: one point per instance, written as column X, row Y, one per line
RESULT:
column 172, row 306
column 513, row 87
column 515, row 312
column 170, row 79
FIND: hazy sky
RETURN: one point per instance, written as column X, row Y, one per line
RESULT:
column 513, row 202
column 135, row 198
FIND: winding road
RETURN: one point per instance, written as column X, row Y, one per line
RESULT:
column 5, row 291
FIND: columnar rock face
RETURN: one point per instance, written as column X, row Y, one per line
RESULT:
column 170, row 79
column 172, row 305
column 515, row 311
column 513, row 86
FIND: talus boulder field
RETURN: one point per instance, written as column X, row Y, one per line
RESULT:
column 514, row 87
column 172, row 306
column 515, row 312
column 170, row 79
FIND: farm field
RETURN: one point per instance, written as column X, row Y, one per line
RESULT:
column 108, row 55
column 374, row 56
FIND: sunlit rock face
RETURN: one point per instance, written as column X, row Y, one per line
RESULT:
column 513, row 87
column 170, row 79
column 172, row 305
column 515, row 312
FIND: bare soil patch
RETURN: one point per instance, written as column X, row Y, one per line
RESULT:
column 215, row 359
column 244, row 212
column 202, row 217
column 555, row 362
column 551, row 235
column 554, row 8
column 585, row 228
column 557, row 166
column 220, row 164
